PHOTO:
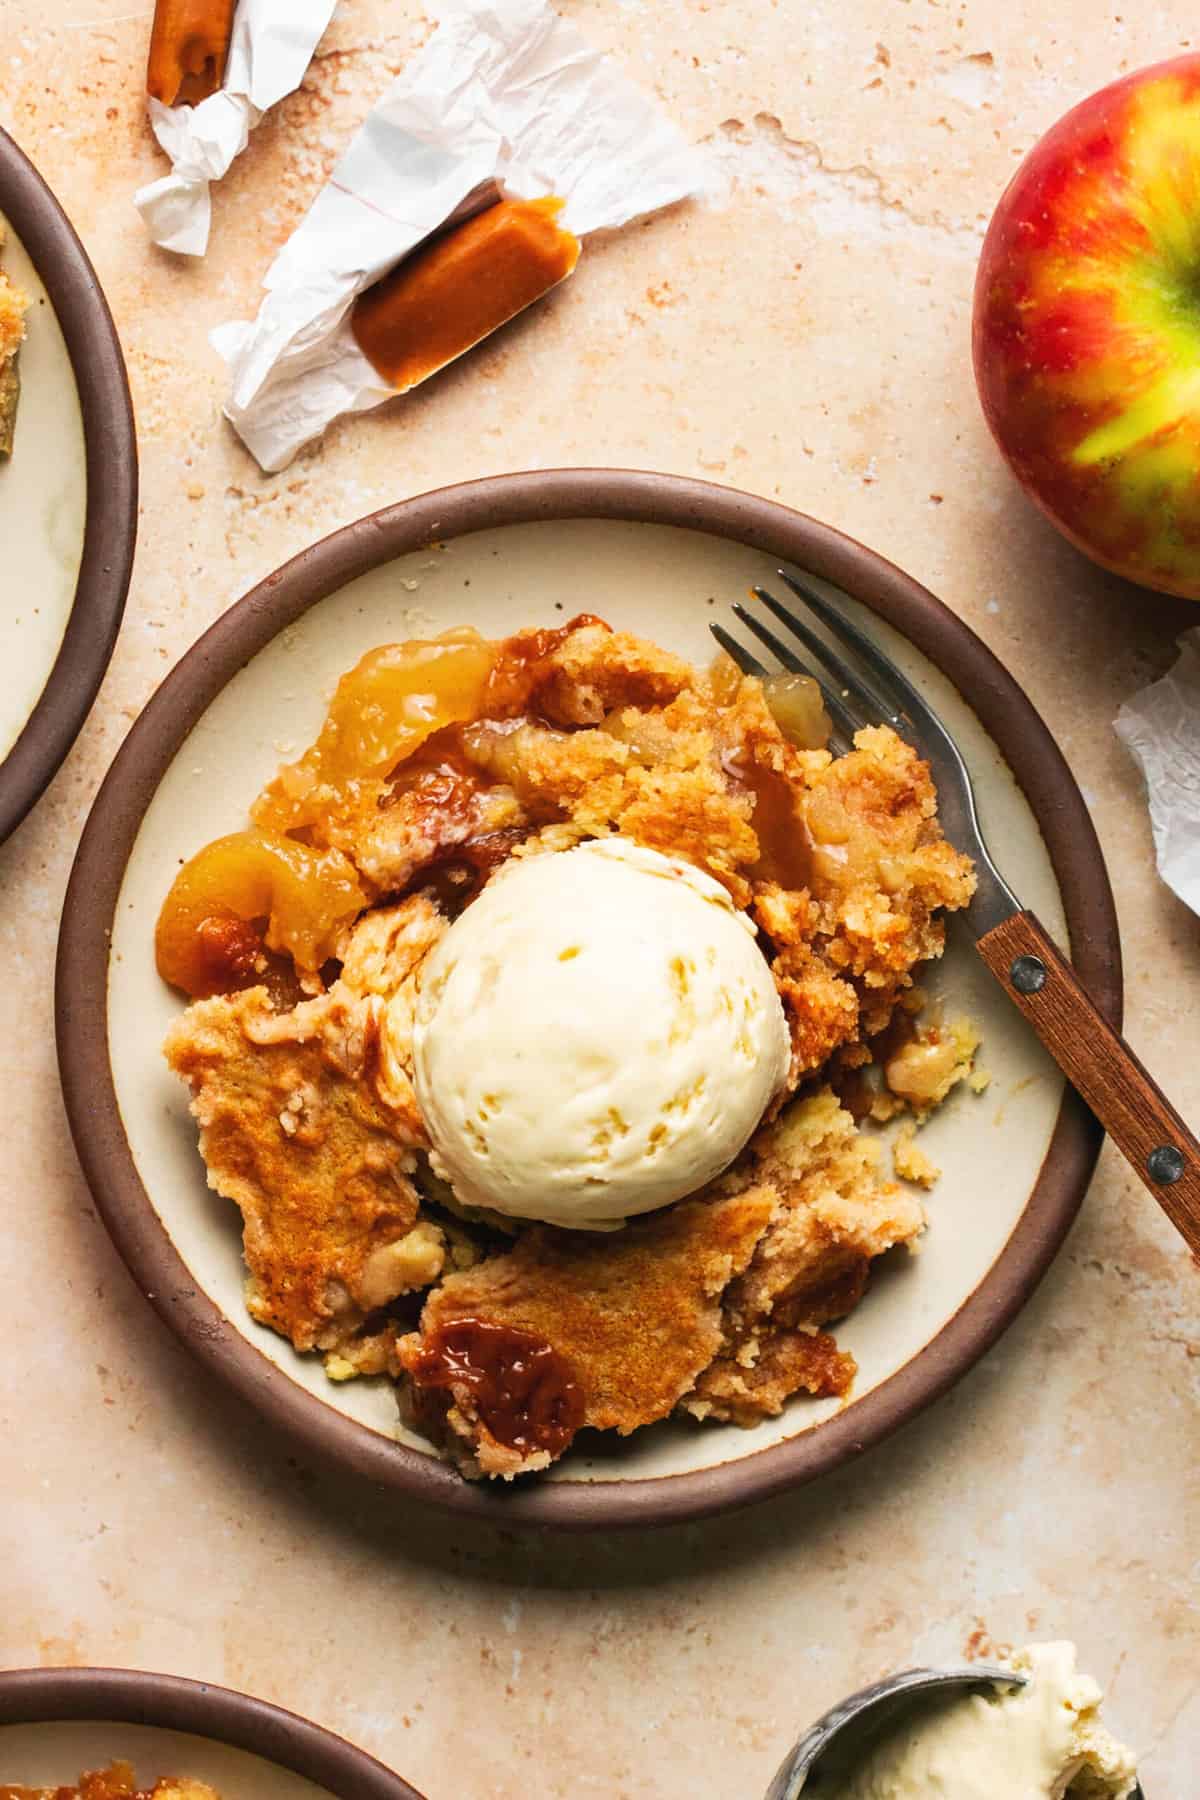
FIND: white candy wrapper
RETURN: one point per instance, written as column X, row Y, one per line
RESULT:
column 504, row 93
column 1161, row 729
column 270, row 49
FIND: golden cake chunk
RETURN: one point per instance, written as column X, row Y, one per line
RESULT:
column 629, row 1319
column 309, row 1125
column 833, row 1215
column 714, row 1305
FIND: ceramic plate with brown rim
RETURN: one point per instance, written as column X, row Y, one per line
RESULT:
column 68, row 493
column 657, row 555
column 56, row 1723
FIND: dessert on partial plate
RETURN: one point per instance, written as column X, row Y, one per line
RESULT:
column 13, row 307
column 539, row 1020
column 117, row 1782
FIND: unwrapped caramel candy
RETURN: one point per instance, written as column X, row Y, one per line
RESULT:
column 453, row 291
column 189, row 47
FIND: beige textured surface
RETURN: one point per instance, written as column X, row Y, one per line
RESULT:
column 808, row 339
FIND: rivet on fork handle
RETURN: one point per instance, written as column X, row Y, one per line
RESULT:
column 1166, row 1165
column 1028, row 974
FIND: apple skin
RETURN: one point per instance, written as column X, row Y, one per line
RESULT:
column 1087, row 326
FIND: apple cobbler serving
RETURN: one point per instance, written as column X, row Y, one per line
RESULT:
column 533, row 1019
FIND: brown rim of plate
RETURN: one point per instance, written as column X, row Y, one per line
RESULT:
column 82, row 976
column 110, row 520
column 171, row 1703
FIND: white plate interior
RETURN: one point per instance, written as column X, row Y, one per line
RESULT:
column 667, row 584
column 43, row 505
column 56, row 1752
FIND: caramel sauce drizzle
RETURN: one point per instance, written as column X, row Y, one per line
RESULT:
column 520, row 1386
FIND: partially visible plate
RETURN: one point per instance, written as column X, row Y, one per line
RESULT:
column 55, row 1723
column 68, row 495
column 660, row 556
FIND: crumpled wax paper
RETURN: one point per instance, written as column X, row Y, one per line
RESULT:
column 270, row 49
column 505, row 93
column 1161, row 728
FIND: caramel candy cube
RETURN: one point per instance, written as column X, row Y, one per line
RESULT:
column 189, row 46
column 454, row 291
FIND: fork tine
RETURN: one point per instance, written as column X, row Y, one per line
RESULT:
column 863, row 646
column 748, row 664
column 843, row 717
column 846, row 677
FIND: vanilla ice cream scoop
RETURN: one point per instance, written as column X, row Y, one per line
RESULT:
column 1040, row 1741
column 597, row 1035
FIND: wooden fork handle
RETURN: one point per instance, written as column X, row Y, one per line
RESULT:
column 1133, row 1110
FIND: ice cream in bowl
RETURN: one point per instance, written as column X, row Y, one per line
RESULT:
column 1030, row 1730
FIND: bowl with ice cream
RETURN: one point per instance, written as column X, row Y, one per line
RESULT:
column 1030, row 1731
column 567, row 1048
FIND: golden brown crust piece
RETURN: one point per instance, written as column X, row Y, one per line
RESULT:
column 116, row 1783
column 833, row 1215
column 311, row 1127
column 596, row 669
column 786, row 1363
column 635, row 1314
column 714, row 1305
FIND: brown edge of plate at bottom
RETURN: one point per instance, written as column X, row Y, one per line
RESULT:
column 110, row 516
column 82, row 978
column 172, row 1703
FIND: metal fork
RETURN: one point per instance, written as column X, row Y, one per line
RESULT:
column 864, row 687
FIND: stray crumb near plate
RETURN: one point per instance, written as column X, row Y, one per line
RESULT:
column 910, row 1161
column 414, row 620
column 980, row 1646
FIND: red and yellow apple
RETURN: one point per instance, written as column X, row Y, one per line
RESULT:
column 1087, row 326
